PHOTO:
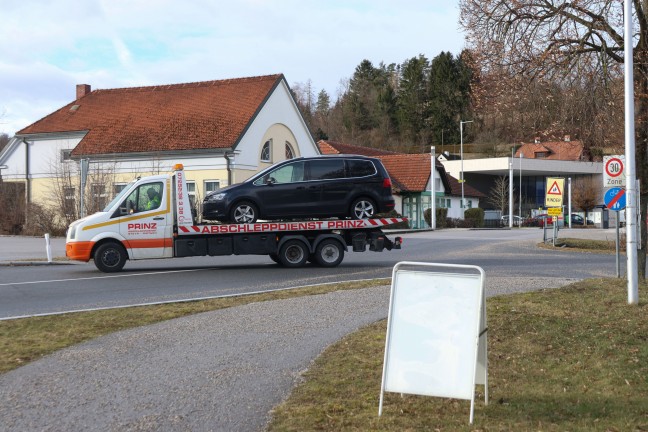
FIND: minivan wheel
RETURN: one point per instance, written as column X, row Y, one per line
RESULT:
column 363, row 208
column 329, row 253
column 110, row 257
column 244, row 212
column 293, row 253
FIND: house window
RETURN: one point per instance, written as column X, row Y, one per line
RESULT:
column 211, row 186
column 265, row 151
column 99, row 196
column 118, row 187
column 66, row 155
column 541, row 155
column 191, row 191
column 69, row 201
column 469, row 204
column 443, row 202
column 289, row 151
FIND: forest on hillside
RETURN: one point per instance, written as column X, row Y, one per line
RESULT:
column 409, row 106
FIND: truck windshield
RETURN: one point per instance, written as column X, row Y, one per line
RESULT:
column 119, row 196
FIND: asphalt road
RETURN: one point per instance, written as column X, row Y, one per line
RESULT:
column 26, row 290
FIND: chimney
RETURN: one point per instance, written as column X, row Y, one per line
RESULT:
column 567, row 138
column 537, row 140
column 82, row 90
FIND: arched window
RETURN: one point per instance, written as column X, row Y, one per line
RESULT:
column 289, row 151
column 265, row 151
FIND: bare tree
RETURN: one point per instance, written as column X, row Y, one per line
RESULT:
column 498, row 195
column 586, row 193
column 4, row 140
column 565, row 42
column 65, row 193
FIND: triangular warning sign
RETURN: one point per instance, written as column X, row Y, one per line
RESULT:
column 554, row 189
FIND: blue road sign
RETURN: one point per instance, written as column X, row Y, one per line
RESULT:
column 615, row 199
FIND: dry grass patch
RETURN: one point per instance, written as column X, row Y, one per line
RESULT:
column 571, row 359
column 585, row 245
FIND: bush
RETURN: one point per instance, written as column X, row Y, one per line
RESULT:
column 394, row 214
column 43, row 220
column 441, row 217
column 12, row 210
column 475, row 216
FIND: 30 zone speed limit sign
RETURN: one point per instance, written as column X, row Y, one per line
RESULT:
column 614, row 171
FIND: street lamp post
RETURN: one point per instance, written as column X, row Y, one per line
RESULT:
column 463, row 206
column 521, row 155
column 433, row 189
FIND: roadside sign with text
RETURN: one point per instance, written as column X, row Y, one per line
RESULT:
column 554, row 192
column 554, row 211
column 614, row 171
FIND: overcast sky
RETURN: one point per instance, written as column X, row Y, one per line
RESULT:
column 49, row 46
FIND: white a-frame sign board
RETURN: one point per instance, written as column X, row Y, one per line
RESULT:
column 436, row 332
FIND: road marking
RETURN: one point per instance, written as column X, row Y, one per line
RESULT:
column 102, row 277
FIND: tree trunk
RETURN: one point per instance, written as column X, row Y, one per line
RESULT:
column 641, row 151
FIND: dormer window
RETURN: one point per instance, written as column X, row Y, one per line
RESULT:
column 265, row 151
column 541, row 155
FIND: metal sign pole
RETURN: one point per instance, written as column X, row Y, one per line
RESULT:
column 631, row 222
column 618, row 264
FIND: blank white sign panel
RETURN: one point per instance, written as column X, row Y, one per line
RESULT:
column 433, row 330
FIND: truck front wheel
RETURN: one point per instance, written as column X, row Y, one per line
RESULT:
column 329, row 253
column 293, row 253
column 110, row 257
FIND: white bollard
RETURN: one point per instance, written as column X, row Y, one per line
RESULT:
column 48, row 248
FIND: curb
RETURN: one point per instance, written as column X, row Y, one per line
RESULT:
column 32, row 263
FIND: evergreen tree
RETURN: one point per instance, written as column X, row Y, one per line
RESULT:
column 413, row 101
column 449, row 96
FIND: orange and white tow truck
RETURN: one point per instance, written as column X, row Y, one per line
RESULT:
column 152, row 218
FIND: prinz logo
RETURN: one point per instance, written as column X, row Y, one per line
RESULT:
column 142, row 226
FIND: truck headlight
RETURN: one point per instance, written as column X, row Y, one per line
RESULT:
column 72, row 232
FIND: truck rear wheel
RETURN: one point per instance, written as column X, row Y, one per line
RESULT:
column 293, row 253
column 329, row 253
column 110, row 257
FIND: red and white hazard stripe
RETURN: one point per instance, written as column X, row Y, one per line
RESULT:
column 265, row 227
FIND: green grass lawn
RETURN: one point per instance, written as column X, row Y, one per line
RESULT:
column 571, row 359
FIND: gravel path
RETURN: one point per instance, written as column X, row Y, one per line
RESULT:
column 216, row 371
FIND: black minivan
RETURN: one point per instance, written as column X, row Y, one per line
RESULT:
column 308, row 187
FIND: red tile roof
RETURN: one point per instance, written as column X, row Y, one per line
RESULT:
column 410, row 171
column 469, row 191
column 553, row 150
column 334, row 147
column 202, row 115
